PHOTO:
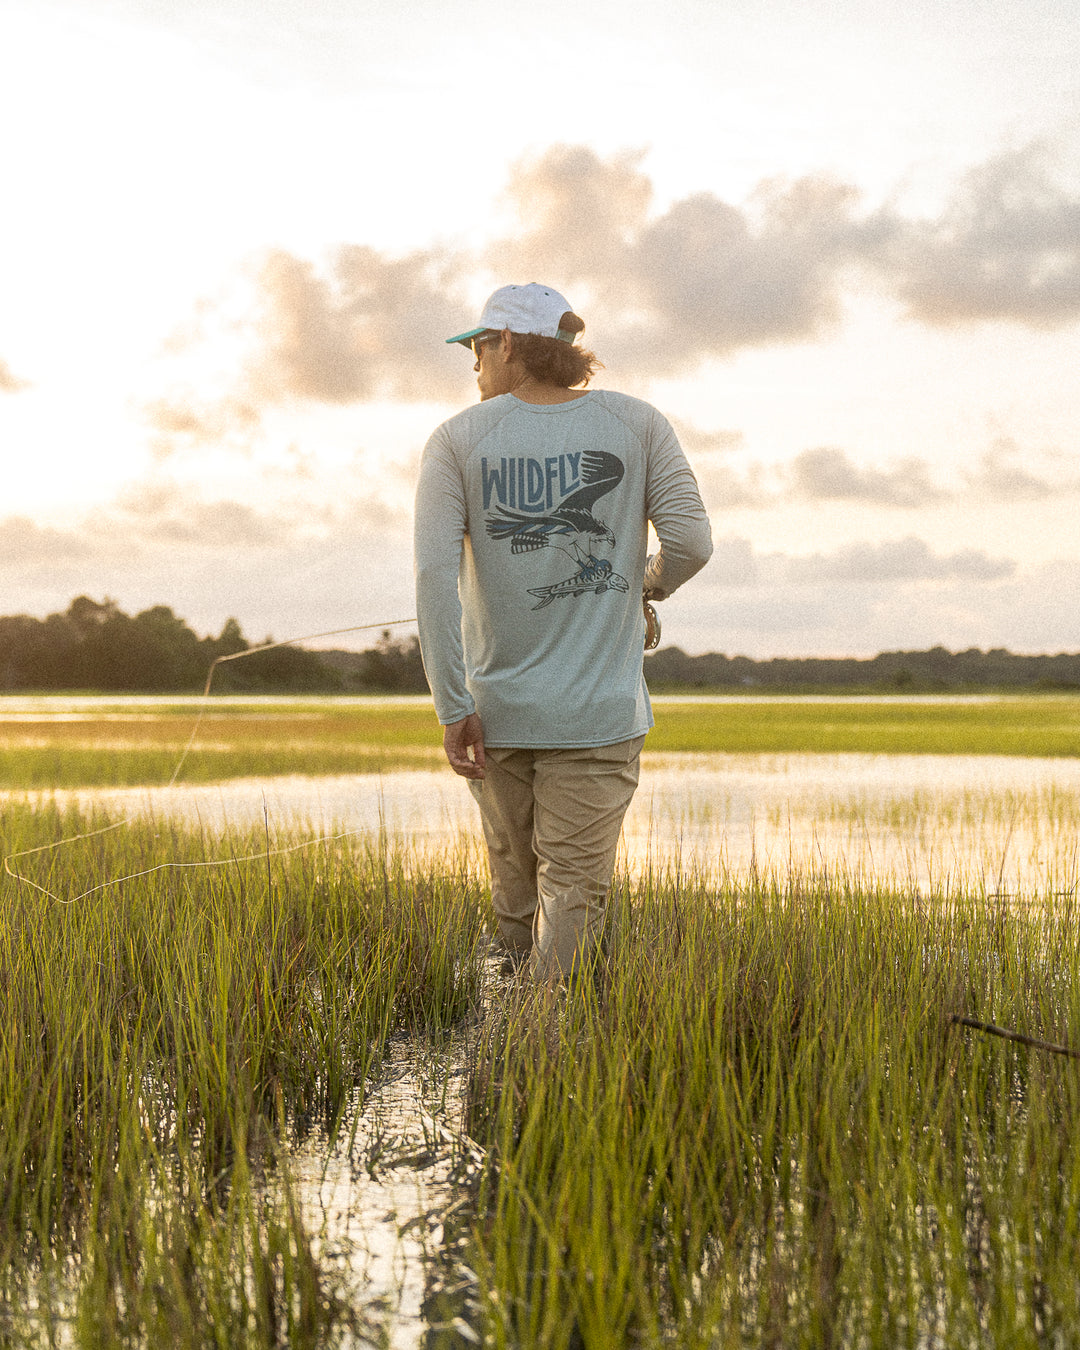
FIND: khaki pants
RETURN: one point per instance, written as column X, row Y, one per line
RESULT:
column 552, row 820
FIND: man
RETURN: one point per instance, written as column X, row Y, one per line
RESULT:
column 532, row 520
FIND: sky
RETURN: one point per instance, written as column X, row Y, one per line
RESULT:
column 836, row 242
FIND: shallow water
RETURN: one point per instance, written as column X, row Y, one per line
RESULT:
column 921, row 822
column 380, row 1203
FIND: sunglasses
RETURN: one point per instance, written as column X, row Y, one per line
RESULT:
column 477, row 342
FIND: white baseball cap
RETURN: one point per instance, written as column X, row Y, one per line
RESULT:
column 522, row 309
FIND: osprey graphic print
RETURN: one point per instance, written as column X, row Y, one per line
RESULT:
column 549, row 503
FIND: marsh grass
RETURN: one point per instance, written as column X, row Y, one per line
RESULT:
column 1006, row 725
column 165, row 1040
column 115, row 749
column 757, row 1126
column 752, row 1123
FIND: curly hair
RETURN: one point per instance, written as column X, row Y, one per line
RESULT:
column 554, row 361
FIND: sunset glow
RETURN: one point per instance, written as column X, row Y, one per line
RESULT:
column 838, row 243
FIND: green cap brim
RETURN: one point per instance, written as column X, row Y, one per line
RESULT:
column 466, row 338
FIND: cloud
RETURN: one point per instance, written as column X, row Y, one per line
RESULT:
column 23, row 543
column 726, row 489
column 729, row 277
column 579, row 219
column 163, row 511
column 186, row 419
column 1001, row 476
column 9, row 382
column 829, row 474
column 896, row 560
column 723, row 486
column 705, row 278
column 160, row 518
column 1007, row 247
column 861, row 600
column 1003, row 473
column 313, row 347
column 368, row 327
column 664, row 290
column 1022, row 612
column 696, row 441
column 359, row 327
column 734, row 563
column 211, row 523
column 289, row 572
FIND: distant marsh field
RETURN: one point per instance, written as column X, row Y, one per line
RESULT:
column 72, row 742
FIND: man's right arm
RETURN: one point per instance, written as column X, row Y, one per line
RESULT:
column 438, row 534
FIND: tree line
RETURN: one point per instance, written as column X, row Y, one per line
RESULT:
column 95, row 646
column 933, row 671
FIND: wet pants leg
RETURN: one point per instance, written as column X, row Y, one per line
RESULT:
column 551, row 821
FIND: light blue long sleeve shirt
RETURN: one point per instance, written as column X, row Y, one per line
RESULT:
column 531, row 536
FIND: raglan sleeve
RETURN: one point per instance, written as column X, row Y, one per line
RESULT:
column 439, row 529
column 674, row 506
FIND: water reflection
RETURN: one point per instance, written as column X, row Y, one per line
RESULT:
column 924, row 822
column 382, row 1204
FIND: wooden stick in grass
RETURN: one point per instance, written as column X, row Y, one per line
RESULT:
column 1006, row 1034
